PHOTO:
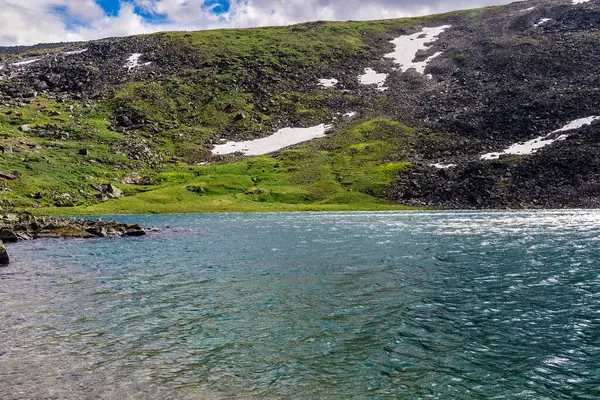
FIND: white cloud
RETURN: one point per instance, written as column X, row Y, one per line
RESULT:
column 25, row 22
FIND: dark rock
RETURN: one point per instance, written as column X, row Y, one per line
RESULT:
column 8, row 236
column 134, row 230
column 4, row 259
column 83, row 152
column 40, row 85
column 99, row 231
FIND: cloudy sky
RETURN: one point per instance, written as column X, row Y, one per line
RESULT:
column 25, row 22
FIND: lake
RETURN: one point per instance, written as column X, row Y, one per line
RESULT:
column 430, row 305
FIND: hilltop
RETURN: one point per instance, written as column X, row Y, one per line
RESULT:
column 416, row 112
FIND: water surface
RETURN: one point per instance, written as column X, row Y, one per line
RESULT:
column 384, row 305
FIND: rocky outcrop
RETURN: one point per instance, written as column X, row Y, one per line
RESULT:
column 26, row 227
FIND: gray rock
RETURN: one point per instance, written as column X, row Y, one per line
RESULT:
column 40, row 85
column 132, row 179
column 111, row 191
column 11, row 176
column 25, row 128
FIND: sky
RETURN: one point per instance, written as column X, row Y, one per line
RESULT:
column 27, row 22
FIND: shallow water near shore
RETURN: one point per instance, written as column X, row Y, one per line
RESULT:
column 309, row 305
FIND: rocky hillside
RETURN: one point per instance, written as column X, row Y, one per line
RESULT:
column 416, row 112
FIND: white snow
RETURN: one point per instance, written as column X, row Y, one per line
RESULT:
column 372, row 77
column 543, row 21
column 580, row 1
column 18, row 64
column 134, row 62
column 283, row 138
column 578, row 123
column 442, row 166
column 70, row 53
column 527, row 9
column 328, row 82
column 350, row 114
column 532, row 146
column 408, row 46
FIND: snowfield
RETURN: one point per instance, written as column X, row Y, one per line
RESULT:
column 281, row 139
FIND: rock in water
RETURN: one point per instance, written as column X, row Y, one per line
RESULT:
column 4, row 260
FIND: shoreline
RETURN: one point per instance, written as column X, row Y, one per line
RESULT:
column 16, row 227
column 83, row 213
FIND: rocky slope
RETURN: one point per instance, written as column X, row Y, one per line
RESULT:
column 130, row 124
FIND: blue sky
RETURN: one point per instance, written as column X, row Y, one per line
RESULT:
column 77, row 20
column 111, row 7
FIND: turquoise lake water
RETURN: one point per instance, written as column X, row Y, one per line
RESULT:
column 431, row 305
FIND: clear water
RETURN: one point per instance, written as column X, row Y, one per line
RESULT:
column 460, row 305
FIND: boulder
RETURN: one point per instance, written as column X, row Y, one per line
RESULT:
column 40, row 85
column 25, row 128
column 4, row 259
column 134, row 230
column 8, row 236
column 111, row 191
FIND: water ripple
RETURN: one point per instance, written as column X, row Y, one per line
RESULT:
column 430, row 305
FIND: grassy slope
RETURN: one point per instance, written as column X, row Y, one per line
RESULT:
column 251, row 71
column 347, row 170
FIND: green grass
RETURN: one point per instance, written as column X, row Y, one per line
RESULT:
column 219, row 75
column 347, row 170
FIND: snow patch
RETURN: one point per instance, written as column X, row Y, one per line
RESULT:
column 578, row 123
column 525, row 148
column 328, row 82
column 18, row 64
column 407, row 48
column 543, row 21
column 350, row 114
column 372, row 77
column 580, row 1
column 70, row 53
column 442, row 166
column 134, row 62
column 527, row 9
column 282, row 138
